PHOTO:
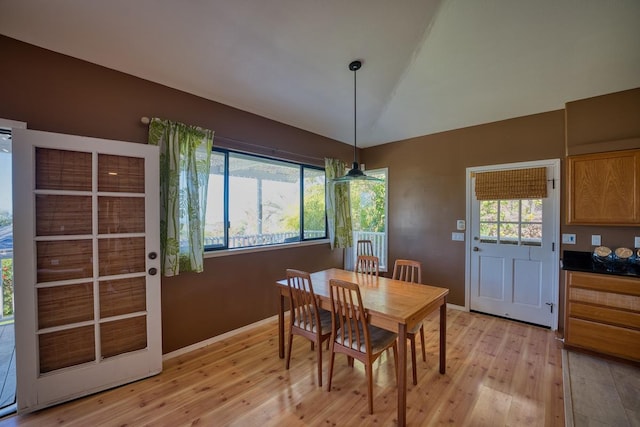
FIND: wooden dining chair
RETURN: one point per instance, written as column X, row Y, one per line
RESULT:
column 368, row 264
column 411, row 271
column 307, row 319
column 364, row 247
column 354, row 336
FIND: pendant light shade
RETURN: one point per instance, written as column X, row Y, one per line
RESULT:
column 355, row 173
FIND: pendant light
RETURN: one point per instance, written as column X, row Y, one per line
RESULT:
column 355, row 173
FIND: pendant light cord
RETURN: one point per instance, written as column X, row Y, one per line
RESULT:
column 355, row 117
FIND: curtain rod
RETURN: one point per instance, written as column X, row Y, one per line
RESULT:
column 274, row 151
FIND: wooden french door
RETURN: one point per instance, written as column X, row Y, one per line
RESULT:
column 87, row 282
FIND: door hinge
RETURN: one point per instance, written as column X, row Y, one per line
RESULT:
column 553, row 246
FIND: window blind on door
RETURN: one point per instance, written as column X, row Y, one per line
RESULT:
column 512, row 184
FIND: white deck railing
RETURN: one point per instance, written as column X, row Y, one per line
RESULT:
column 261, row 239
column 379, row 243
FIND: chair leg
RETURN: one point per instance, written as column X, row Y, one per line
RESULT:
column 289, row 349
column 424, row 352
column 368, row 368
column 331, row 360
column 395, row 360
column 319, row 364
column 412, row 340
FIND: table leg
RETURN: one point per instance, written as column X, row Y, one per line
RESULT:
column 281, row 327
column 443, row 336
column 402, row 375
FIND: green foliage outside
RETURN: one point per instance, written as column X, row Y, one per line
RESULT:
column 5, row 218
column 367, row 205
column 314, row 208
column 7, row 287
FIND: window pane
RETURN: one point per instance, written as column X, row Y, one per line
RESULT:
column 531, row 232
column 509, row 210
column 489, row 210
column 509, row 232
column 264, row 197
column 368, row 204
column 532, row 210
column 314, row 212
column 488, row 231
column 214, row 223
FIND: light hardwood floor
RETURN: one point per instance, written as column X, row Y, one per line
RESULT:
column 499, row 373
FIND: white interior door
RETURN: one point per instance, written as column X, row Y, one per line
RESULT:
column 513, row 258
column 86, row 276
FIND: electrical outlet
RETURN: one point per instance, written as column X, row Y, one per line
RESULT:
column 569, row 239
column 637, row 242
column 595, row 240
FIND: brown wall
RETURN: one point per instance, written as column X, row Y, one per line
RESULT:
column 427, row 186
column 604, row 123
column 56, row 93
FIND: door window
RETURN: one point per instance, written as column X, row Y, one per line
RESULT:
column 511, row 222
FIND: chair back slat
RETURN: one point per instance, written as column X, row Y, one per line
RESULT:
column 304, row 306
column 364, row 247
column 407, row 270
column 348, row 316
column 368, row 264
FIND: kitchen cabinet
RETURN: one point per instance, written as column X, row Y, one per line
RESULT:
column 603, row 314
column 604, row 188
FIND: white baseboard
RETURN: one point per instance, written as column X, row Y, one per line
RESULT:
column 457, row 307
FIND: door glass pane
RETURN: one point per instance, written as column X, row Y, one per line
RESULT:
column 64, row 259
column 63, row 305
column 63, row 170
column 121, row 256
column 66, row 348
column 123, row 336
column 509, row 233
column 120, row 215
column 122, row 296
column 314, row 215
column 63, row 215
column 509, row 210
column 120, row 174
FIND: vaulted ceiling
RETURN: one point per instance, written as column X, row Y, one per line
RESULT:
column 428, row 65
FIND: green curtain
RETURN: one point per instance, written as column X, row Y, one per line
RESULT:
column 338, row 205
column 185, row 154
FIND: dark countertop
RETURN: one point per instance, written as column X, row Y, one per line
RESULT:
column 583, row 261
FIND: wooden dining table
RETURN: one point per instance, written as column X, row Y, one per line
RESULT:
column 393, row 305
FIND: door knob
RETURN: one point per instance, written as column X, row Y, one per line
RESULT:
column 153, row 271
column 476, row 249
column 153, row 255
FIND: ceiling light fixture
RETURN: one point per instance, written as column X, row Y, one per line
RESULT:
column 355, row 173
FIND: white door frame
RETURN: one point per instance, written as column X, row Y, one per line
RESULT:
column 554, row 164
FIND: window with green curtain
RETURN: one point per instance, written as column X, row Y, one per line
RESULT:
column 185, row 153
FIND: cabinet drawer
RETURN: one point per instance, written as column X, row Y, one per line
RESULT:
column 601, row 282
column 626, row 319
column 607, row 339
column 626, row 302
